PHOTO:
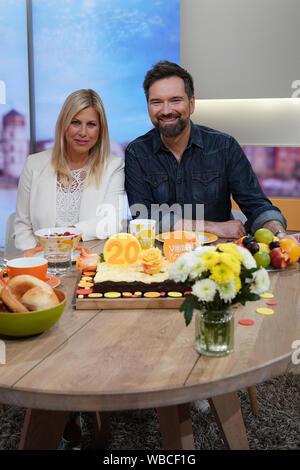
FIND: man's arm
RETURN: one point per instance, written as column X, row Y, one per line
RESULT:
column 277, row 228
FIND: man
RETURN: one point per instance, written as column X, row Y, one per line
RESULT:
column 179, row 167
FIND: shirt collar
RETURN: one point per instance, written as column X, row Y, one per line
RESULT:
column 195, row 138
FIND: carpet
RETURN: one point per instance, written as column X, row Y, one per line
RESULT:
column 277, row 426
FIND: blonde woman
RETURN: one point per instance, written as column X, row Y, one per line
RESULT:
column 77, row 183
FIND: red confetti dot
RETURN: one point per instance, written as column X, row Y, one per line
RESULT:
column 84, row 291
column 246, row 322
column 271, row 303
column 162, row 294
column 188, row 292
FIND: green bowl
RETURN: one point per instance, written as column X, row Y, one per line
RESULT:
column 32, row 323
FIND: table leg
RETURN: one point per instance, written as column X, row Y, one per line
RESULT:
column 176, row 427
column 101, row 424
column 227, row 411
column 253, row 400
column 42, row 429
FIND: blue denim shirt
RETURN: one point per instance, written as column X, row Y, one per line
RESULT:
column 212, row 168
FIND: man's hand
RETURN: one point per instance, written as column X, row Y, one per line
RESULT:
column 294, row 236
column 229, row 229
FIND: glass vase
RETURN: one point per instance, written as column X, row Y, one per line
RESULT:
column 214, row 332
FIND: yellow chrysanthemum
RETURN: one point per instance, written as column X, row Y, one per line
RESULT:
column 231, row 261
column 238, row 284
column 221, row 273
column 210, row 259
column 230, row 248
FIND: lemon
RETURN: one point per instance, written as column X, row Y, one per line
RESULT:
column 264, row 247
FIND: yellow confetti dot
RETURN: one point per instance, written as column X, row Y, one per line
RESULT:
column 95, row 295
column 267, row 295
column 265, row 311
column 86, row 278
column 174, row 294
column 112, row 295
column 80, row 296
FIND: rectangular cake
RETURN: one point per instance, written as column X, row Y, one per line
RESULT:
column 128, row 281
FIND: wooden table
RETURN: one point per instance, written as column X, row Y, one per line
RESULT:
column 108, row 360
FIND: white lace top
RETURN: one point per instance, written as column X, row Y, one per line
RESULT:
column 68, row 198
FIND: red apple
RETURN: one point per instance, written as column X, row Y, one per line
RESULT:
column 279, row 258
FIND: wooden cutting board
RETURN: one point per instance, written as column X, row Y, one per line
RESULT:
column 123, row 303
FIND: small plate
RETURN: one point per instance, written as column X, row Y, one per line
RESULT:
column 39, row 252
column 203, row 237
column 53, row 281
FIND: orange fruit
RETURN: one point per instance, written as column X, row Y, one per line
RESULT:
column 292, row 248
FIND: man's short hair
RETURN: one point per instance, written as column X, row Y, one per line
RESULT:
column 166, row 69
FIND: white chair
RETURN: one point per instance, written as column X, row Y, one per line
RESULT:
column 9, row 246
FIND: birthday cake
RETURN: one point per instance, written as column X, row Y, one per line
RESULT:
column 148, row 277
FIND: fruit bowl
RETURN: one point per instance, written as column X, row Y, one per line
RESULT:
column 58, row 238
column 32, row 323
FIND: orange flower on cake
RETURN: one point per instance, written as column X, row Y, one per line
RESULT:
column 151, row 260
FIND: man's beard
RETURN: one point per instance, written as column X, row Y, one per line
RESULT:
column 172, row 130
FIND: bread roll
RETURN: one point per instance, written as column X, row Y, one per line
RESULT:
column 11, row 301
column 22, row 283
column 37, row 298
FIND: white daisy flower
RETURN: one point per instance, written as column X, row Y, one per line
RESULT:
column 248, row 260
column 205, row 290
column 227, row 290
column 261, row 281
column 180, row 269
column 197, row 266
column 200, row 250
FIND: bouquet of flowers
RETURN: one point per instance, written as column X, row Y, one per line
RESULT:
column 218, row 276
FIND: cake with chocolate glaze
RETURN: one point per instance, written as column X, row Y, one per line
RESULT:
column 133, row 278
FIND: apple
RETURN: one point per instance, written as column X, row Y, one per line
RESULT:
column 279, row 258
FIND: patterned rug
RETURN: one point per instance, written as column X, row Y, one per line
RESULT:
column 277, row 426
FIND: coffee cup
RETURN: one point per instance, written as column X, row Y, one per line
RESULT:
column 144, row 231
column 34, row 266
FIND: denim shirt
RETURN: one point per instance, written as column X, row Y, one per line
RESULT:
column 213, row 167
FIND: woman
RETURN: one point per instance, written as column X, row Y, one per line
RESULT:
column 77, row 183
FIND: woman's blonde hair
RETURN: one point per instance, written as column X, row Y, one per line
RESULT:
column 76, row 102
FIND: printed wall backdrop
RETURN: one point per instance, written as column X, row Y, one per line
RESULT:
column 14, row 103
column 106, row 45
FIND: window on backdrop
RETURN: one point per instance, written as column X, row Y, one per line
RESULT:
column 277, row 169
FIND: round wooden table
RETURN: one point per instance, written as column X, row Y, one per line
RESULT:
column 108, row 360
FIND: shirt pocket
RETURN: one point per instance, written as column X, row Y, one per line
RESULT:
column 206, row 186
column 159, row 184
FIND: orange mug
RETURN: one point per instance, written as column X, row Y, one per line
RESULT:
column 34, row 266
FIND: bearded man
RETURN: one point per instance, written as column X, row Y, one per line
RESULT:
column 179, row 167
